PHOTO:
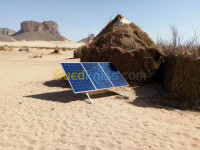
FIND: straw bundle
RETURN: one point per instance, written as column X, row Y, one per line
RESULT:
column 182, row 75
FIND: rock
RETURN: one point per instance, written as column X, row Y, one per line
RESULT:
column 5, row 35
column 87, row 39
column 56, row 51
column 129, row 48
column 32, row 31
column 51, row 26
column 6, row 31
column 38, row 36
column 6, row 38
column 29, row 26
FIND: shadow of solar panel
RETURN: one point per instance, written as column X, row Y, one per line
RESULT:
column 113, row 74
column 77, row 77
column 97, row 76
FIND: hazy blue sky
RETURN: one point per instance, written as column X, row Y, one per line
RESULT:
column 78, row 18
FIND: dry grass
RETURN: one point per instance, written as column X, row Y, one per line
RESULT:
column 181, row 68
column 6, row 48
column 176, row 43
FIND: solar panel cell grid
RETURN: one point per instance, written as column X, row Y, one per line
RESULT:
column 97, row 75
column 113, row 74
column 80, row 82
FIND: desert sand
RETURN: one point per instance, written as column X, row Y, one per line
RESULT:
column 40, row 113
column 48, row 44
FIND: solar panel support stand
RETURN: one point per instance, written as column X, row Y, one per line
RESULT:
column 89, row 98
column 126, row 96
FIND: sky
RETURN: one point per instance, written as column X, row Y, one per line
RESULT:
column 78, row 18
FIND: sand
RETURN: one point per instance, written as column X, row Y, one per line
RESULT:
column 67, row 44
column 39, row 113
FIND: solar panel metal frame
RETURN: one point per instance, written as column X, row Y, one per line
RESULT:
column 90, row 78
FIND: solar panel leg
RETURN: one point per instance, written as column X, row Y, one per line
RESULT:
column 126, row 96
column 89, row 98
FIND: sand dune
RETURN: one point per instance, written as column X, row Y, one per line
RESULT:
column 39, row 113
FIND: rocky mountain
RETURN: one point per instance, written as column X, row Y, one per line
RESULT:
column 32, row 31
column 87, row 39
column 5, row 38
column 5, row 35
column 6, row 31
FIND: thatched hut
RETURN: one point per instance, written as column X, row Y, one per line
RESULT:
column 124, row 44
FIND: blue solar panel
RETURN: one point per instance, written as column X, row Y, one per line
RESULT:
column 113, row 74
column 97, row 75
column 77, row 77
column 84, row 77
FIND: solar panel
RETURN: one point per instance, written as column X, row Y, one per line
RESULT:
column 85, row 77
column 97, row 75
column 113, row 74
column 77, row 77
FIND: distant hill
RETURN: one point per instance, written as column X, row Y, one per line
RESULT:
column 5, row 35
column 38, row 36
column 6, row 31
column 5, row 38
column 87, row 39
column 32, row 31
